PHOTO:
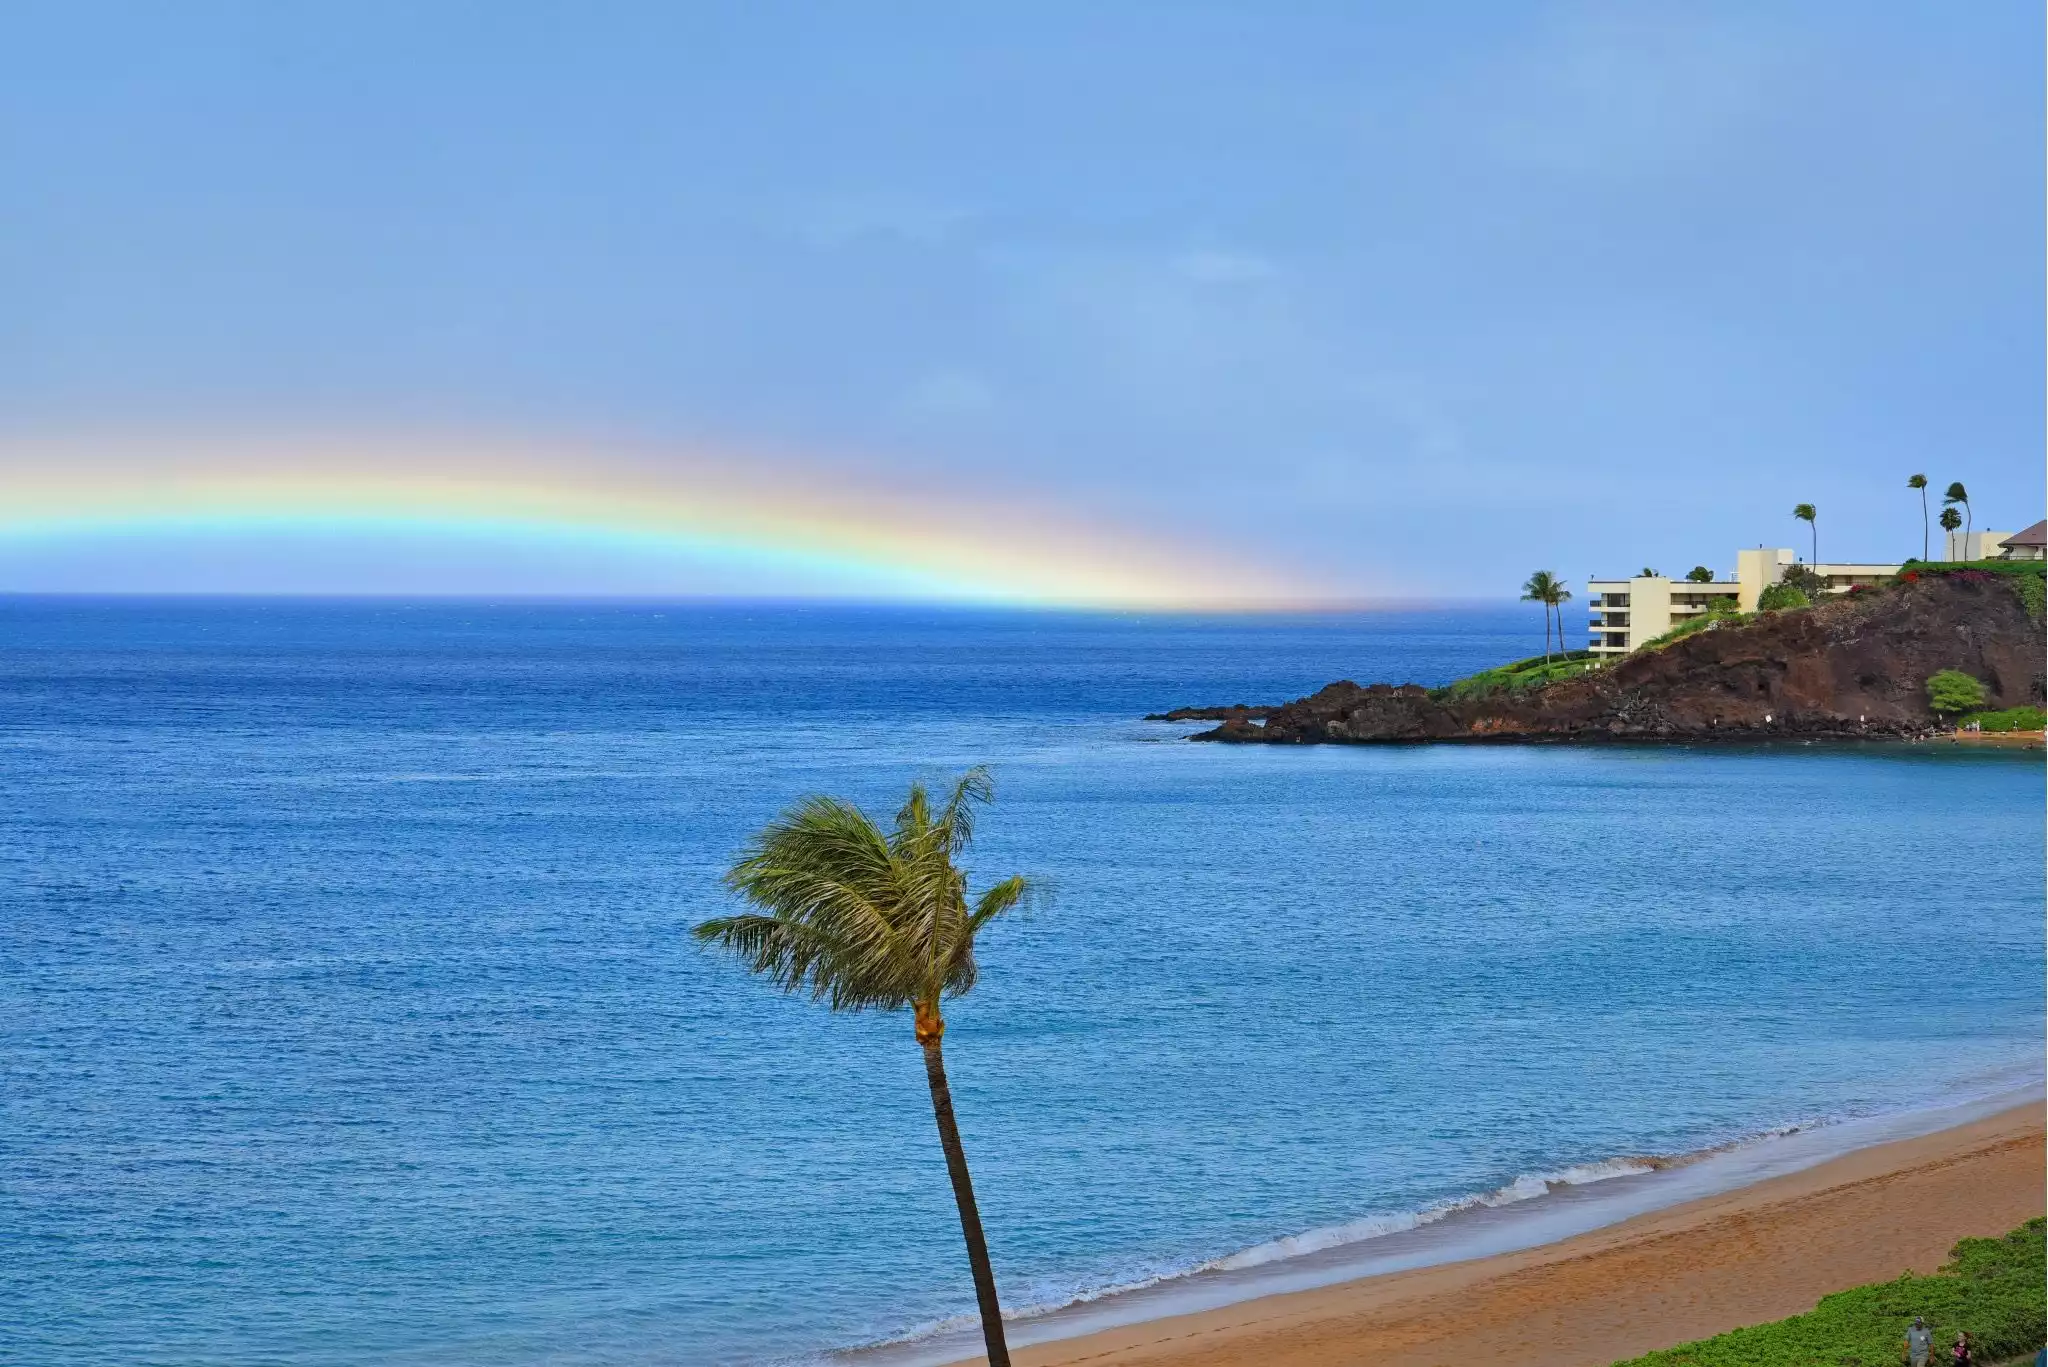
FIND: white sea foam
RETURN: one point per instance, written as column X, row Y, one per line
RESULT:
column 1525, row 1188
column 1316, row 1240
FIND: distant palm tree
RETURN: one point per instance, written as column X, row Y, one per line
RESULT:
column 1646, row 572
column 867, row 920
column 1808, row 514
column 1542, row 587
column 1958, row 494
column 1920, row 482
column 1700, row 574
column 1950, row 520
column 1559, row 596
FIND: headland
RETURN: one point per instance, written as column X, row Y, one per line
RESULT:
column 1853, row 667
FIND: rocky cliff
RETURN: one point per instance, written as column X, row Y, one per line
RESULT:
column 1855, row 666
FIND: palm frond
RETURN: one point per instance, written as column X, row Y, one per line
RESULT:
column 796, row 958
column 961, row 970
column 857, row 917
column 826, row 868
column 957, row 816
column 1000, row 900
column 913, row 818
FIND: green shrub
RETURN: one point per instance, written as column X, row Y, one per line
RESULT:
column 1991, row 1287
column 1951, row 691
column 2033, row 591
column 2010, row 719
column 2017, row 569
column 1807, row 580
column 1779, row 597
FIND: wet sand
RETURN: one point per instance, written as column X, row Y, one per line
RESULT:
column 1757, row 1253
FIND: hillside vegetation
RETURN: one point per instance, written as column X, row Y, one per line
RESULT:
column 1997, row 1289
column 1520, row 676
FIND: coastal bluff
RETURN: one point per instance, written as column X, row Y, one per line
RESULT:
column 1851, row 667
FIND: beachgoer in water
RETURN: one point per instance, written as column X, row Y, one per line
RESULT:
column 1961, row 1353
column 1919, row 1342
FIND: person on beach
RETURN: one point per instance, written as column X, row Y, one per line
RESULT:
column 1919, row 1342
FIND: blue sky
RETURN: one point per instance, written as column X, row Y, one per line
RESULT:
column 1347, row 287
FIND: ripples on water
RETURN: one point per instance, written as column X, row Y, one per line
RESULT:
column 346, row 1013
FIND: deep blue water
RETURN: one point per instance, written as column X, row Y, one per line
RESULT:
column 347, row 1012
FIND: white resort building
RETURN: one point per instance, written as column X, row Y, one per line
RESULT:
column 1624, row 613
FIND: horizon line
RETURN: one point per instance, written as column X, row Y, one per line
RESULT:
column 1234, row 608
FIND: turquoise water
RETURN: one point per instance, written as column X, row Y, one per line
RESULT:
column 347, row 1015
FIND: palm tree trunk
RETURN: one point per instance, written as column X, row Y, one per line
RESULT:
column 1923, row 524
column 1546, row 633
column 929, row 1030
column 1969, row 525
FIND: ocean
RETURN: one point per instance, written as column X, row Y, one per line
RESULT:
column 348, row 1013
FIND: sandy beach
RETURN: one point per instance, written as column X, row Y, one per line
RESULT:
column 1757, row 1253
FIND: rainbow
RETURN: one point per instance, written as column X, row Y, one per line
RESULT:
column 793, row 518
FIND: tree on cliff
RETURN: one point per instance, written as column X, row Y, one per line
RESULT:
column 1950, row 520
column 1920, row 482
column 1810, row 515
column 1950, row 691
column 1546, row 588
column 863, row 919
column 1958, row 494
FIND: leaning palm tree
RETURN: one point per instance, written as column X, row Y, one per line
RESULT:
column 1950, row 520
column 1958, row 494
column 1542, row 588
column 864, row 919
column 1809, row 514
column 1920, row 482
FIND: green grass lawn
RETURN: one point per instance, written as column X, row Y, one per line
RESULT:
column 1513, row 678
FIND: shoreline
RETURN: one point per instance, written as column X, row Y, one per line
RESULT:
column 2031, row 740
column 1466, row 1270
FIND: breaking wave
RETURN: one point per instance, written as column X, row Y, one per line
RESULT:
column 1378, row 1226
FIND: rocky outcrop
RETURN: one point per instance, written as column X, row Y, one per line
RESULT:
column 1856, row 666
